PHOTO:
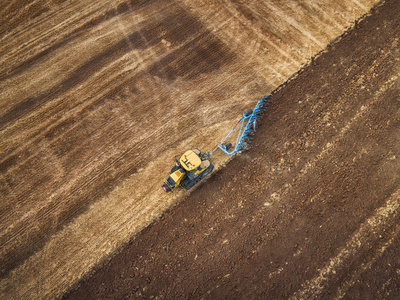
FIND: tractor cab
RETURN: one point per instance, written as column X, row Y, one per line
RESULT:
column 190, row 160
column 188, row 170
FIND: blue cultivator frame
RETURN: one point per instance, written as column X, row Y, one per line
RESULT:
column 247, row 128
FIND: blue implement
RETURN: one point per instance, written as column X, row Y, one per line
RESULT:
column 248, row 126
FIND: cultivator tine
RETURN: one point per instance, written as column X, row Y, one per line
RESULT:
column 248, row 127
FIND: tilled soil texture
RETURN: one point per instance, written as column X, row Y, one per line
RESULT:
column 311, row 211
column 96, row 98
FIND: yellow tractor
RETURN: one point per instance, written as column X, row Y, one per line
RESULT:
column 189, row 170
column 194, row 165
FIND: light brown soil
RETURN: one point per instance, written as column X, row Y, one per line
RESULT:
column 310, row 211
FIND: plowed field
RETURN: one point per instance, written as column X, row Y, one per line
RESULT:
column 97, row 98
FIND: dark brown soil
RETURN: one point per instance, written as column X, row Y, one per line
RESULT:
column 310, row 211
